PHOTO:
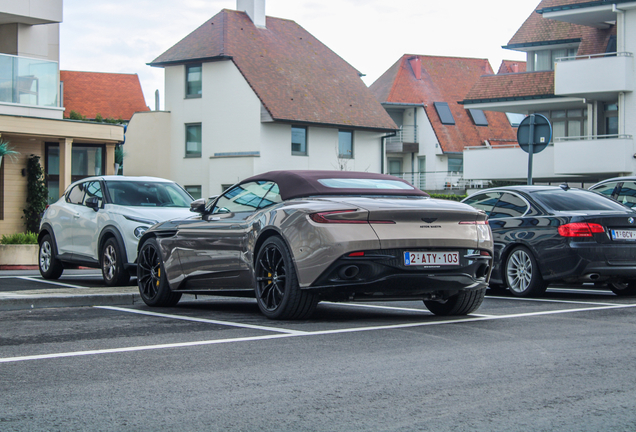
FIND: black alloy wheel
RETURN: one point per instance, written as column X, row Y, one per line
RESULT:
column 50, row 266
column 113, row 264
column 522, row 274
column 460, row 304
column 277, row 291
column 151, row 277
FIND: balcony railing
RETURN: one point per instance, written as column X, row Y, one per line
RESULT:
column 405, row 140
column 594, row 75
column 440, row 180
column 28, row 81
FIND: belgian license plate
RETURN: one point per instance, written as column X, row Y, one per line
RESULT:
column 431, row 258
column 629, row 235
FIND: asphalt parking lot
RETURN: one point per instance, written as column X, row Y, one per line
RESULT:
column 559, row 362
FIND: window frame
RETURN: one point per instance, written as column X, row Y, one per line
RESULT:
column 444, row 113
column 306, row 133
column 193, row 155
column 194, row 186
column 351, row 154
column 478, row 117
column 189, row 95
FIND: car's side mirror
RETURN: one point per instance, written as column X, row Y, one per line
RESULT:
column 198, row 206
column 92, row 202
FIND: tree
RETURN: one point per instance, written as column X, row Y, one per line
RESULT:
column 37, row 194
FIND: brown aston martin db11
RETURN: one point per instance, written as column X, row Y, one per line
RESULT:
column 294, row 238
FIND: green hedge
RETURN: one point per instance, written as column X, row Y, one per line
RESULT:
column 449, row 197
column 20, row 238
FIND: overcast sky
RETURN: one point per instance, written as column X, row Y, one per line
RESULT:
column 123, row 35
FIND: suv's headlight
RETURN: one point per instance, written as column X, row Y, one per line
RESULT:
column 139, row 231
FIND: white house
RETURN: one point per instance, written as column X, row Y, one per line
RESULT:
column 421, row 95
column 246, row 93
column 580, row 74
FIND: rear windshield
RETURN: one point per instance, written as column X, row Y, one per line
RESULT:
column 354, row 183
column 576, row 200
column 147, row 194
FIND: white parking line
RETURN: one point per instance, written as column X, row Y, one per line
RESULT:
column 551, row 301
column 50, row 282
column 203, row 320
column 365, row 305
column 300, row 334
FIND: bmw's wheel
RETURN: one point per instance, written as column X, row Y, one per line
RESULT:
column 623, row 289
column 277, row 291
column 113, row 264
column 522, row 274
column 460, row 304
column 50, row 266
column 151, row 277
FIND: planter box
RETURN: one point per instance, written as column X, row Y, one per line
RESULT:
column 18, row 255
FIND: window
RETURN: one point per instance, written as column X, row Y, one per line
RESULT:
column 76, row 194
column 543, row 60
column 86, row 161
column 567, row 123
column 2, row 190
column 478, row 116
column 455, row 164
column 607, row 189
column 357, row 183
column 248, row 197
column 193, row 81
column 611, row 119
column 345, row 144
column 444, row 113
column 627, row 195
column 483, row 201
column 509, row 205
column 299, row 140
column 575, row 200
column 147, row 194
column 94, row 189
column 515, row 119
column 195, row 191
column 395, row 166
column 193, row 140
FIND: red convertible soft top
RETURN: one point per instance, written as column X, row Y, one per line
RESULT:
column 296, row 184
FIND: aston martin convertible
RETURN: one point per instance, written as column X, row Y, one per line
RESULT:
column 295, row 238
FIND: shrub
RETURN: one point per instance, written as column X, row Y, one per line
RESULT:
column 37, row 194
column 450, row 197
column 19, row 239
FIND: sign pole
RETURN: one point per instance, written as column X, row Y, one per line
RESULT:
column 531, row 148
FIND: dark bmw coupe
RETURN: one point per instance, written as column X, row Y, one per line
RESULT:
column 548, row 234
column 294, row 238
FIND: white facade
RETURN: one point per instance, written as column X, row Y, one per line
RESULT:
column 237, row 141
column 417, row 152
column 601, row 87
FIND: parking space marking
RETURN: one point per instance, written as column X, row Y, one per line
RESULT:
column 29, row 278
column 552, row 301
column 302, row 334
column 203, row 320
column 365, row 305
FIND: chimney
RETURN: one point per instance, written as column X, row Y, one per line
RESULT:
column 416, row 65
column 255, row 9
column 515, row 67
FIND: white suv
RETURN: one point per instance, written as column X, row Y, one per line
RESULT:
column 99, row 220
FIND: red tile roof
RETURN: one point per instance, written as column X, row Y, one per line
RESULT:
column 511, row 66
column 512, row 86
column 537, row 29
column 296, row 77
column 443, row 79
column 113, row 95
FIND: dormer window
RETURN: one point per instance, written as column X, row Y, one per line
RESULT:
column 478, row 116
column 444, row 113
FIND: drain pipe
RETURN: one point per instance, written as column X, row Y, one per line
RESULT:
column 620, row 46
column 382, row 152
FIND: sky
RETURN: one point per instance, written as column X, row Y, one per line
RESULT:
column 122, row 36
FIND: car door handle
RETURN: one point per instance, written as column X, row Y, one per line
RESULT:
column 76, row 215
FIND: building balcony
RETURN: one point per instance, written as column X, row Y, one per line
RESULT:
column 606, row 154
column 405, row 141
column 27, row 83
column 599, row 76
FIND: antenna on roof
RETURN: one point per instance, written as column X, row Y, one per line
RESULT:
column 564, row 186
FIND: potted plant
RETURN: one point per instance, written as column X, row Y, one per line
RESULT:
column 18, row 250
column 5, row 150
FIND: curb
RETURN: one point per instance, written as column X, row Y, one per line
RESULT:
column 58, row 301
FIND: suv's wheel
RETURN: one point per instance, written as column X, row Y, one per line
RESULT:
column 151, row 277
column 50, row 266
column 113, row 264
column 522, row 274
column 624, row 289
column 277, row 291
column 460, row 304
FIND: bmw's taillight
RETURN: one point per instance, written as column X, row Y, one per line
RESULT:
column 580, row 229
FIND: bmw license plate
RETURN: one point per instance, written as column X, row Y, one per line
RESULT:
column 431, row 258
column 629, row 235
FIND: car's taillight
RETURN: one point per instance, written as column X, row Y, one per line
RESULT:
column 356, row 254
column 336, row 217
column 580, row 229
